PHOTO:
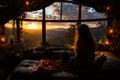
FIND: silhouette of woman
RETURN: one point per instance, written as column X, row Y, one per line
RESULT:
column 84, row 48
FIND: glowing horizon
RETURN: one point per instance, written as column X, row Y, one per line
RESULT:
column 38, row 25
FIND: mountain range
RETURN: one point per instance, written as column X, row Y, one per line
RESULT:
column 33, row 38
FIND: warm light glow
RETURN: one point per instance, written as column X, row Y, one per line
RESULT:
column 108, row 7
column 38, row 25
column 32, row 26
column 107, row 42
column 2, row 39
column 111, row 31
column 27, row 2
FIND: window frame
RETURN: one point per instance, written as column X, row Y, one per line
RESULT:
column 44, row 20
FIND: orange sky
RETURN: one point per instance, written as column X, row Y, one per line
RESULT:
column 37, row 25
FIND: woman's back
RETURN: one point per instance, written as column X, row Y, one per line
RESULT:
column 84, row 49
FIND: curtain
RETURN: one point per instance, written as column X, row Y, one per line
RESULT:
column 84, row 2
column 37, row 4
column 10, row 9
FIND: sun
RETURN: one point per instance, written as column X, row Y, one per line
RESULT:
column 32, row 26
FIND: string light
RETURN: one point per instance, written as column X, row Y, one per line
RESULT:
column 107, row 42
column 2, row 39
column 108, row 7
column 27, row 2
column 111, row 31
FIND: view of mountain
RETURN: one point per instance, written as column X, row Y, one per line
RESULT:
column 33, row 38
column 99, row 32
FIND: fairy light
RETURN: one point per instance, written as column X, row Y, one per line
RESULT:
column 27, row 2
column 107, row 42
column 2, row 39
column 108, row 8
column 111, row 31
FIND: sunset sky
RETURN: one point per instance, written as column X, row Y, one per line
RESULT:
column 52, row 13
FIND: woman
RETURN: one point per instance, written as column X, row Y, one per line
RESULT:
column 84, row 48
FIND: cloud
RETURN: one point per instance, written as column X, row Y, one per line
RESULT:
column 69, row 11
column 87, row 14
column 56, row 8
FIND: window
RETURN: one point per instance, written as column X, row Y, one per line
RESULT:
column 60, row 17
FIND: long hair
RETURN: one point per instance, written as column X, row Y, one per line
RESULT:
column 83, row 32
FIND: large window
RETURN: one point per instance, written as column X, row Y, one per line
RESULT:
column 59, row 33
column 60, row 19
